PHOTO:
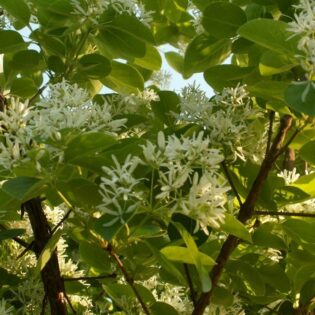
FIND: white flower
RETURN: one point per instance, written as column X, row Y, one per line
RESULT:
column 289, row 176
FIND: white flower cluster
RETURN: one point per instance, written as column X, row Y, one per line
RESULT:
column 118, row 190
column 15, row 136
column 91, row 9
column 65, row 107
column 69, row 106
column 304, row 26
column 289, row 176
column 179, row 162
column 225, row 116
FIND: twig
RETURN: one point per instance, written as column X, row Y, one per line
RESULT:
column 271, row 119
column 28, row 248
column 113, row 275
column 246, row 210
column 285, row 214
column 190, row 284
column 228, row 176
column 127, row 277
column 69, row 302
column 16, row 239
column 61, row 221
column 40, row 91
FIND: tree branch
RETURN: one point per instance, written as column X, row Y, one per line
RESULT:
column 229, row 178
column 127, row 277
column 61, row 221
column 285, row 214
column 246, row 210
column 16, row 239
column 271, row 119
column 113, row 275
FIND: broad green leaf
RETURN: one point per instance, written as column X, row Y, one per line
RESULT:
column 95, row 66
column 222, row 19
column 9, row 234
column 204, row 52
column 51, row 45
column 7, row 278
column 26, row 60
column 87, row 144
column 300, row 229
column 181, row 254
column 222, row 296
column 80, row 192
column 253, row 280
column 269, row 90
column 176, row 61
column 166, row 106
column 23, row 87
column 303, row 274
column 289, row 195
column 159, row 308
column 18, row 9
column 270, row 34
column 306, row 183
column 8, row 203
column 193, row 251
column 300, row 96
column 61, row 7
column 275, row 276
column 233, row 226
column 48, row 250
column 202, row 4
column 151, row 60
column 307, row 152
column 264, row 237
column 124, row 78
column 222, row 76
column 95, row 256
column 11, row 41
column 24, row 188
column 272, row 63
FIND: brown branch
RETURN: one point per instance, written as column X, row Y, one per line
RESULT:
column 61, row 221
column 285, row 214
column 246, row 210
column 50, row 274
column 229, row 178
column 271, row 119
column 39, row 92
column 113, row 275
column 127, row 277
column 191, row 286
column 70, row 304
column 16, row 239
column 28, row 248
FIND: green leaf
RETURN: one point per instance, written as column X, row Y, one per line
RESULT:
column 7, row 278
column 176, row 61
column 60, row 7
column 195, row 257
column 222, row 296
column 263, row 237
column 300, row 96
column 26, row 60
column 48, row 250
column 222, row 19
column 94, row 66
column 222, row 76
column 306, row 183
column 9, row 234
column 24, row 188
column 233, row 226
column 181, row 254
column 252, row 279
column 204, row 52
column 124, row 78
column 273, row 63
column 303, row 274
column 276, row 277
column 18, row 9
column 151, row 60
column 95, row 256
column 300, row 229
column 11, row 41
column 159, row 308
column 166, row 106
column 87, row 144
column 269, row 90
column 80, row 192
column 23, row 87
column 307, row 152
column 270, row 34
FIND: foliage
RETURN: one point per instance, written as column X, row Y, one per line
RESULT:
column 143, row 200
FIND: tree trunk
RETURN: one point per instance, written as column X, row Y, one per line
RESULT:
column 53, row 283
